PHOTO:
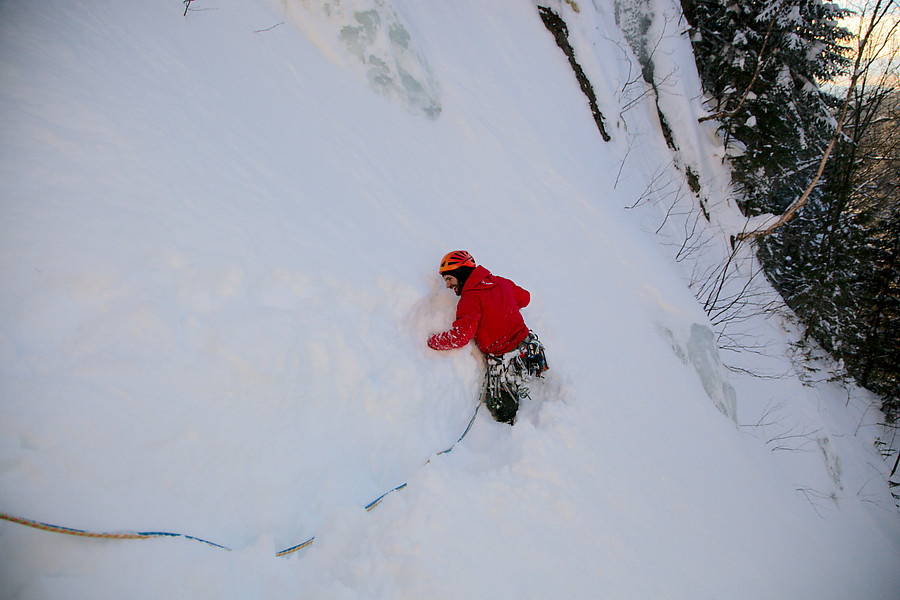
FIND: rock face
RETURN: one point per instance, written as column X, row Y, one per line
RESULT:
column 371, row 40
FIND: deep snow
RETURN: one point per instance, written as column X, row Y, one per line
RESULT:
column 219, row 242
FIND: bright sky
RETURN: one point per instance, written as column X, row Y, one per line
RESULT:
column 886, row 41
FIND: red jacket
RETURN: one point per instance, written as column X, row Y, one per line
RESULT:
column 488, row 310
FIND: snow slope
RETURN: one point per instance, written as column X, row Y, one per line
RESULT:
column 219, row 242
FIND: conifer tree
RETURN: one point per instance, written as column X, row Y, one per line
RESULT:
column 762, row 64
column 836, row 262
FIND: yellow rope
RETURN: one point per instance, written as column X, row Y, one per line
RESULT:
column 293, row 549
column 75, row 532
column 150, row 534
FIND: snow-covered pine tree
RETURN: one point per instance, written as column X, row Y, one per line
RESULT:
column 838, row 265
column 762, row 63
column 877, row 359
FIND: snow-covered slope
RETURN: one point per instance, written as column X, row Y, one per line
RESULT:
column 219, row 235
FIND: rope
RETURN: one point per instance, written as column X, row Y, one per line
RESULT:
column 143, row 535
column 293, row 549
column 121, row 535
column 468, row 427
column 378, row 500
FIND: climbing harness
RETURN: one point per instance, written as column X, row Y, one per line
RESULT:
column 507, row 373
column 143, row 535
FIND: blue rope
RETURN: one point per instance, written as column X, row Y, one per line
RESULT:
column 182, row 535
column 468, row 427
column 378, row 500
column 119, row 535
column 148, row 534
column 292, row 549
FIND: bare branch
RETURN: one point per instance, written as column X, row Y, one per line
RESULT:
column 876, row 16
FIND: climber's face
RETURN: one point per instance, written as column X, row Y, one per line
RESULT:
column 452, row 283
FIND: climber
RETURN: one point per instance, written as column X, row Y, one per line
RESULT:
column 489, row 310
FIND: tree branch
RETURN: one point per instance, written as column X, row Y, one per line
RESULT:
column 804, row 197
column 727, row 114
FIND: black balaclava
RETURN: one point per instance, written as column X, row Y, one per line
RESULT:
column 461, row 274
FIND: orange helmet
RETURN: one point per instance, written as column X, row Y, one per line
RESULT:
column 456, row 259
